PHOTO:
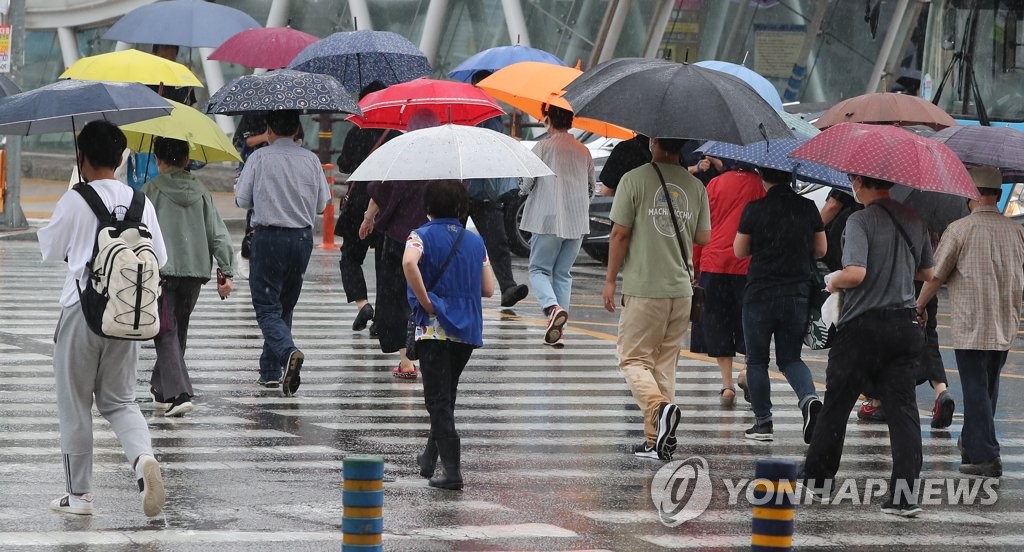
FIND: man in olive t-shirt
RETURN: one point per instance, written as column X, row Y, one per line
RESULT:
column 656, row 288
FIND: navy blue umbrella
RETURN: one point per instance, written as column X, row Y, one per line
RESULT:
column 280, row 90
column 775, row 155
column 358, row 58
column 500, row 57
column 192, row 23
column 67, row 105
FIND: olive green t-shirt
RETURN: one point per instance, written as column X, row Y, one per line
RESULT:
column 654, row 266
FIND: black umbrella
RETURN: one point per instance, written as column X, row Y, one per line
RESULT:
column 358, row 58
column 283, row 89
column 66, row 106
column 665, row 99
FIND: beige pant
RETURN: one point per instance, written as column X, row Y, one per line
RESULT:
column 650, row 336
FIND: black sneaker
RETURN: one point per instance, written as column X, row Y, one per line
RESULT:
column 993, row 468
column 643, row 450
column 762, row 431
column 290, row 383
column 268, row 383
column 373, row 330
column 811, row 411
column 668, row 419
column 181, row 405
column 905, row 510
column 363, row 318
column 942, row 412
column 513, row 295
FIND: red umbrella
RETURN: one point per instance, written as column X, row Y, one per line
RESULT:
column 263, row 48
column 890, row 153
column 453, row 102
column 886, row 108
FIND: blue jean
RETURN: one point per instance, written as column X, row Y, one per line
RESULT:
column 277, row 264
column 786, row 319
column 979, row 378
column 551, row 259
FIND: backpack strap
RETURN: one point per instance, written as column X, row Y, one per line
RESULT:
column 93, row 200
column 137, row 207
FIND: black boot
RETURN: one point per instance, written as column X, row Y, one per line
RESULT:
column 427, row 460
column 451, row 458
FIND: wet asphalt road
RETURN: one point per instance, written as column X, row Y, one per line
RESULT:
column 546, row 436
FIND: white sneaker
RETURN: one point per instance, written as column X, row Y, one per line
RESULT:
column 71, row 504
column 151, row 485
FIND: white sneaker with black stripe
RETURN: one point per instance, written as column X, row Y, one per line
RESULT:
column 71, row 504
column 643, row 450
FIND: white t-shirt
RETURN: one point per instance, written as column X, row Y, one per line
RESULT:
column 71, row 233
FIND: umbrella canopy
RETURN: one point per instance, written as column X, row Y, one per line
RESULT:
column 450, row 152
column 263, row 48
column 890, row 153
column 67, row 105
column 358, row 58
column 885, row 108
column 493, row 59
column 999, row 147
column 775, row 155
column 282, row 89
column 529, row 85
column 131, row 66
column 191, row 23
column 453, row 102
column 664, row 99
column 799, row 126
column 761, row 85
column 207, row 142
column 7, row 87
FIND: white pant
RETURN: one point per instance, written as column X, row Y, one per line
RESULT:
column 87, row 365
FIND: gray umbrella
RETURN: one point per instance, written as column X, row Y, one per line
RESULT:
column 283, row 89
column 7, row 87
column 999, row 147
column 192, row 23
column 360, row 57
column 672, row 100
column 66, row 106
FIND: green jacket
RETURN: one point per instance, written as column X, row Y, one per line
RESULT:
column 192, row 228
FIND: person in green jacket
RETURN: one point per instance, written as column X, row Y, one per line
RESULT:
column 195, row 235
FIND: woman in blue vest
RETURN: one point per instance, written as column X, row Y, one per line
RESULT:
column 448, row 272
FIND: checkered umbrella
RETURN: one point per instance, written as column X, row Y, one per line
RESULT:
column 999, row 147
column 890, row 153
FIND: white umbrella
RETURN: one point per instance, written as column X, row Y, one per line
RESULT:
column 450, row 152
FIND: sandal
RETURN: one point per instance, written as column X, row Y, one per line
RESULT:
column 729, row 400
column 399, row 374
column 742, row 383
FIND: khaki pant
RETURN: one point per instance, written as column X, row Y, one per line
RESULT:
column 650, row 336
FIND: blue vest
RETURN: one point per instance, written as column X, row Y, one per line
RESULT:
column 456, row 296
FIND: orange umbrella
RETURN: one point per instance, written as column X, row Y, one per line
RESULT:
column 886, row 108
column 528, row 85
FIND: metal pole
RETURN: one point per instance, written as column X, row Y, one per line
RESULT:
column 796, row 78
column 361, row 13
column 736, row 33
column 615, row 30
column 893, row 64
column 656, row 33
column 517, row 32
column 887, row 44
column 214, row 82
column 433, row 25
column 602, row 33
column 13, row 216
column 278, row 16
column 68, row 45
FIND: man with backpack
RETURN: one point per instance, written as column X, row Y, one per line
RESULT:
column 104, row 315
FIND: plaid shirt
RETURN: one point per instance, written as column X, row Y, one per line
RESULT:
column 981, row 259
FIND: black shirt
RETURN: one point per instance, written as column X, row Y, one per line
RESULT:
column 359, row 144
column 833, row 258
column 781, row 227
column 626, row 156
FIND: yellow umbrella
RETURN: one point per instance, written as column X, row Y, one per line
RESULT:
column 131, row 66
column 528, row 85
column 207, row 142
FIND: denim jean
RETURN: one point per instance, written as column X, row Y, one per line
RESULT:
column 279, row 260
column 785, row 318
column 551, row 259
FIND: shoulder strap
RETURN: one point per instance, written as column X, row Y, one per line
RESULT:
column 93, row 200
column 675, row 222
column 137, row 207
column 448, row 260
column 906, row 238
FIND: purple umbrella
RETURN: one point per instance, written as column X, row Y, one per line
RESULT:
column 998, row 147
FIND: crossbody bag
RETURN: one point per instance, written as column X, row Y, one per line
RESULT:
column 410, row 328
column 697, row 302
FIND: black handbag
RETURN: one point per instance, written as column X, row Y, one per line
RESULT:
column 697, row 301
column 410, row 326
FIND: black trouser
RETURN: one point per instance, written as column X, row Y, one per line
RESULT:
column 877, row 347
column 353, row 249
column 489, row 218
column 441, row 363
column 979, row 378
column 170, row 374
column 929, row 362
column 391, row 313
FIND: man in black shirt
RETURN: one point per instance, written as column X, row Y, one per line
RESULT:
column 626, row 156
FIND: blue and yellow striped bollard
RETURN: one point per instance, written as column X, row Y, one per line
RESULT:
column 362, row 522
column 774, row 495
